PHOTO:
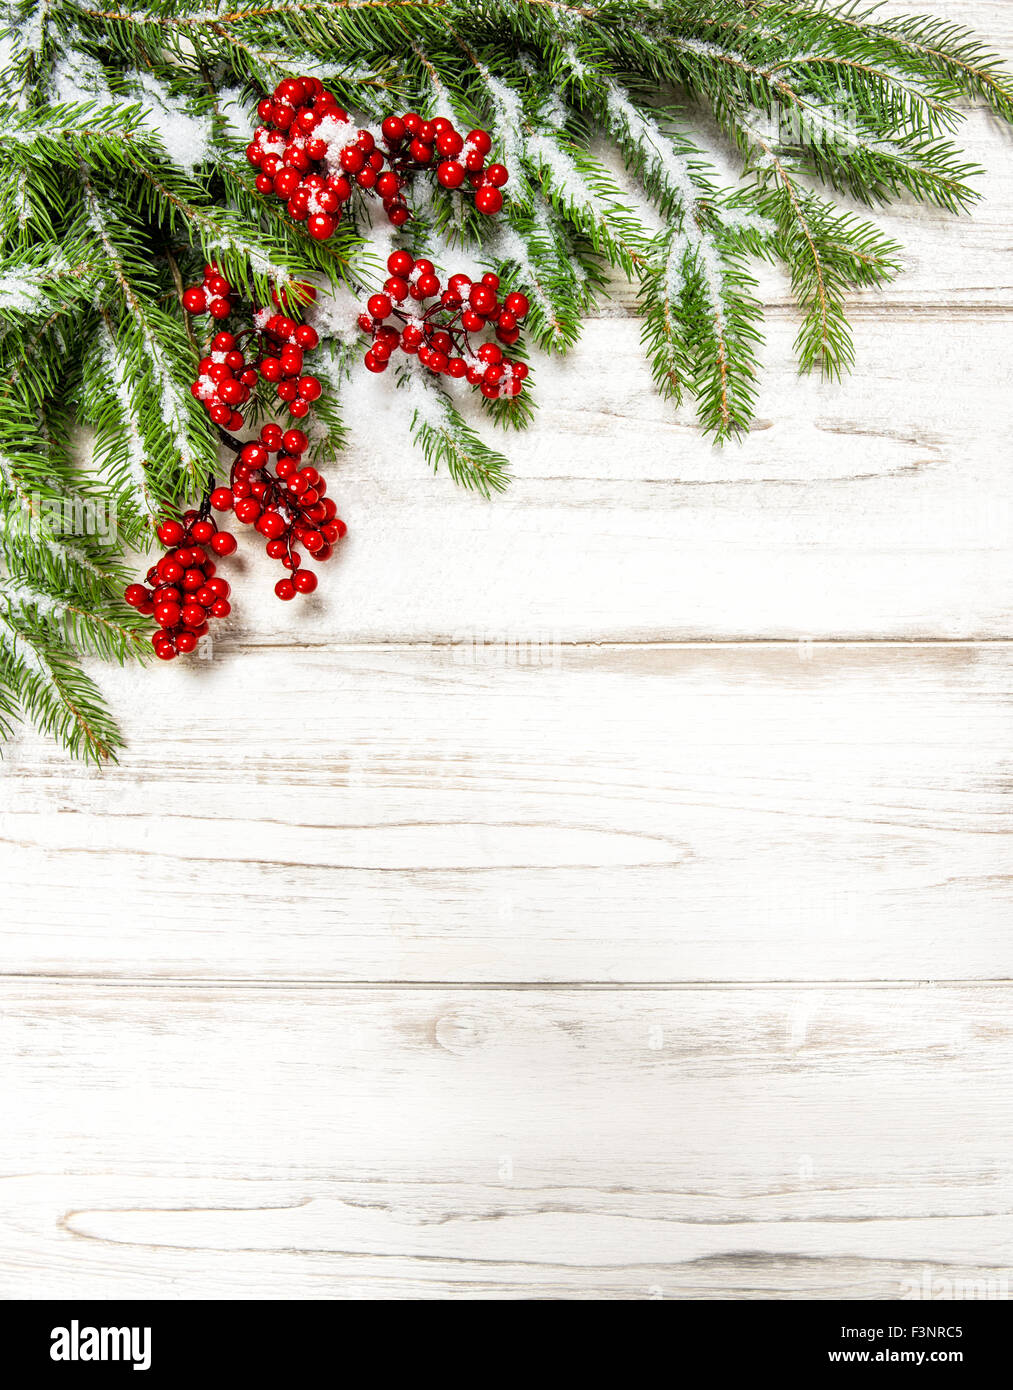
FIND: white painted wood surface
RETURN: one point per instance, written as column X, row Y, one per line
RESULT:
column 602, row 892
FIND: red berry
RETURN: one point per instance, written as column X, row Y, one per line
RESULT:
column 482, row 299
column 285, row 589
column 286, row 181
column 271, row 525
column 195, row 301
column 221, row 608
column 247, row 510
column 295, row 442
column 321, row 225
column 497, row 175
column 309, row 388
column 400, row 263
column 167, row 614
column 170, row 533
column 186, row 641
column 305, row 581
column 306, row 336
column 351, row 159
column 223, row 543
column 479, row 140
column 253, row 455
column 220, row 308
column 488, row 200
column 517, row 304
column 222, row 499
column 379, row 306
column 394, row 129
column 449, row 143
column 450, row 174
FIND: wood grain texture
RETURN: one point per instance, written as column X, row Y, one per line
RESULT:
column 623, row 814
column 416, row 1143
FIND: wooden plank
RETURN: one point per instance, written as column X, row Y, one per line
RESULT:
column 740, row 813
column 876, row 508
column 167, row 1142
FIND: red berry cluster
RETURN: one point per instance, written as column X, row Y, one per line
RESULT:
column 226, row 378
column 415, row 143
column 286, row 506
column 183, row 592
column 309, row 153
column 215, row 296
column 440, row 335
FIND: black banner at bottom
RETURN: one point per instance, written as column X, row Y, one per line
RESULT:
column 171, row 1343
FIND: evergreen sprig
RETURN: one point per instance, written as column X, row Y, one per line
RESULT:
column 122, row 168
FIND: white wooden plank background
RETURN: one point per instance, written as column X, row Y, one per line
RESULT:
column 601, row 892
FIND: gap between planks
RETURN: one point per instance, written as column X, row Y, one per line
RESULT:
column 628, row 643
column 258, row 984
